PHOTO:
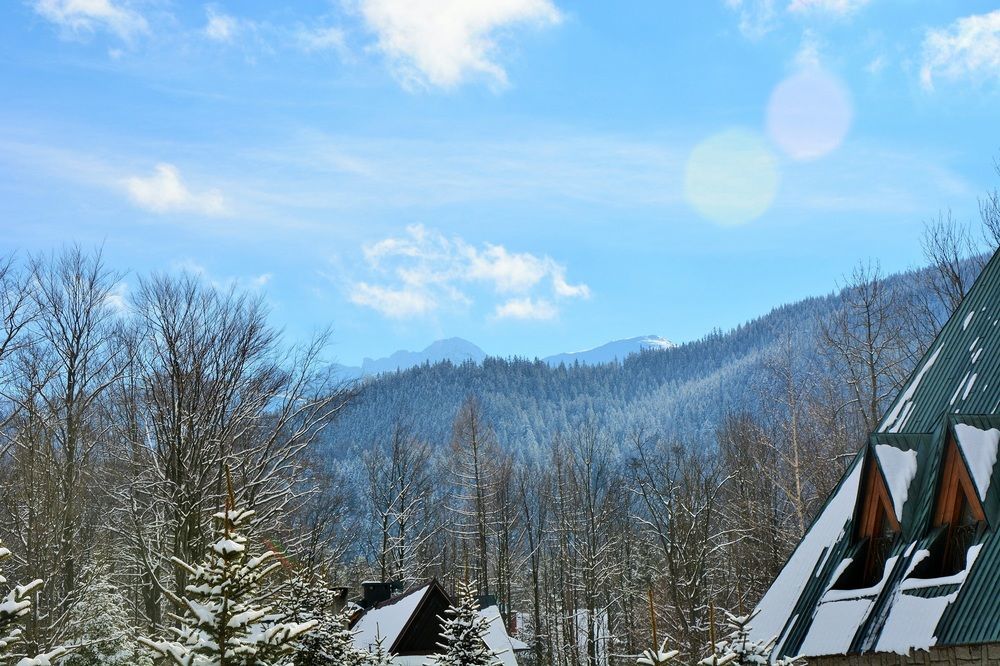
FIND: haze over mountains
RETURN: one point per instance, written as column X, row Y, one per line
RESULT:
column 458, row 351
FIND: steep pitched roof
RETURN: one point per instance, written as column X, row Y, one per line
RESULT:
column 953, row 395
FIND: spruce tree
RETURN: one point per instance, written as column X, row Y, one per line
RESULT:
column 16, row 605
column 738, row 650
column 657, row 657
column 464, row 633
column 330, row 642
column 223, row 622
column 102, row 628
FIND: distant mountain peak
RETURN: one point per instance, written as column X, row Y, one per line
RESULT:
column 616, row 350
column 456, row 350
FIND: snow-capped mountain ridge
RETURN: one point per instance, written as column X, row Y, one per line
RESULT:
column 616, row 350
column 459, row 350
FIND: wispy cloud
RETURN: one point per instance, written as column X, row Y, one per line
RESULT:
column 967, row 49
column 525, row 309
column 832, row 7
column 165, row 192
column 444, row 43
column 88, row 16
column 757, row 17
column 220, row 27
column 423, row 271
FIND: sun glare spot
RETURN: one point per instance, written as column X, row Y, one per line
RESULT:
column 731, row 177
column 809, row 114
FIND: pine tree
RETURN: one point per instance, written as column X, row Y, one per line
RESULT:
column 14, row 607
column 738, row 650
column 102, row 627
column 379, row 656
column 657, row 657
column 222, row 623
column 464, row 633
column 331, row 642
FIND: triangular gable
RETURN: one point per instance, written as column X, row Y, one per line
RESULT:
column 386, row 621
column 422, row 633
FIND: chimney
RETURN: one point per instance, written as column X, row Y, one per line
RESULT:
column 373, row 592
column 339, row 599
column 487, row 600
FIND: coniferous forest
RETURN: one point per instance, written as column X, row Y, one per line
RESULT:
column 177, row 475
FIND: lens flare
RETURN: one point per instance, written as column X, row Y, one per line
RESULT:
column 731, row 177
column 809, row 114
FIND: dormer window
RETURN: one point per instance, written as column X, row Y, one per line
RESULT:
column 876, row 528
column 958, row 518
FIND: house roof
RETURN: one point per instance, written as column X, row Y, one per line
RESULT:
column 387, row 621
column 954, row 394
column 393, row 620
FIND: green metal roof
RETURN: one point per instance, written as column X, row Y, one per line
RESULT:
column 955, row 385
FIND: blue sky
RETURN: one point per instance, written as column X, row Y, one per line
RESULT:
column 533, row 175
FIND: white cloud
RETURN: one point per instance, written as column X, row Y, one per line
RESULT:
column 968, row 48
column 757, row 17
column 220, row 27
column 444, row 43
column 77, row 16
column 322, row 38
column 525, row 309
column 165, row 192
column 393, row 303
column 424, row 271
column 835, row 7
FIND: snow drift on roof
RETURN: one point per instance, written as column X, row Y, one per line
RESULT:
column 834, row 626
column 913, row 619
column 899, row 467
column 779, row 602
column 497, row 639
column 387, row 621
column 979, row 448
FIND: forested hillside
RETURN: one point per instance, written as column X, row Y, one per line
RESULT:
column 682, row 392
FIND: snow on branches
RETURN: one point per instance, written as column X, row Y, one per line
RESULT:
column 331, row 640
column 14, row 607
column 464, row 633
column 738, row 650
column 222, row 623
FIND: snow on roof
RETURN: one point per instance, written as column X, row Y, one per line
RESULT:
column 496, row 638
column 834, row 626
column 386, row 621
column 779, row 601
column 895, row 421
column 912, row 619
column 845, row 610
column 979, row 448
column 898, row 467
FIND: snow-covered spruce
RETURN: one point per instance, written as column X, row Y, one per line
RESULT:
column 330, row 642
column 378, row 656
column 221, row 622
column 464, row 633
column 738, row 650
column 102, row 630
column 16, row 605
column 657, row 657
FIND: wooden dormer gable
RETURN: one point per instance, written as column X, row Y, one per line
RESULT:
column 957, row 500
column 876, row 515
